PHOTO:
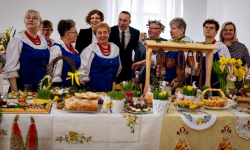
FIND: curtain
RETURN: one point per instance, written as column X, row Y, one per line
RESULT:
column 143, row 10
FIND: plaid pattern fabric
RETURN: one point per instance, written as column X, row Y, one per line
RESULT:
column 239, row 51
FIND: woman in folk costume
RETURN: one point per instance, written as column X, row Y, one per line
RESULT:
column 27, row 55
column 45, row 30
column 210, row 30
column 63, row 47
column 100, row 61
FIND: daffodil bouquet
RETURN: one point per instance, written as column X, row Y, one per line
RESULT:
column 188, row 104
column 5, row 37
column 160, row 95
column 188, row 90
column 238, row 70
column 219, row 68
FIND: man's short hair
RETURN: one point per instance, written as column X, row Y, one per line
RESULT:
column 126, row 12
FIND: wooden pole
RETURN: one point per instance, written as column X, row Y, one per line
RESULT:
column 148, row 66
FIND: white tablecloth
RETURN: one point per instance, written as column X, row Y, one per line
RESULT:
column 108, row 131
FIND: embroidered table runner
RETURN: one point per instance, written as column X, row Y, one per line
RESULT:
column 106, row 131
column 198, row 119
column 242, row 122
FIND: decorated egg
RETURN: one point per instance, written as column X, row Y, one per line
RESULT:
column 60, row 92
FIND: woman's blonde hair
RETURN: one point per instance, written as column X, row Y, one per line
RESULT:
column 101, row 25
column 235, row 39
column 35, row 13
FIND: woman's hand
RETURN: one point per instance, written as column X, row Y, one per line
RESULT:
column 174, row 84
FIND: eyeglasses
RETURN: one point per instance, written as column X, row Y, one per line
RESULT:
column 45, row 30
column 153, row 28
column 30, row 18
column 72, row 32
column 211, row 28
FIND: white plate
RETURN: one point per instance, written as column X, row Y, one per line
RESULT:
column 17, row 98
column 142, row 112
column 215, row 108
column 229, row 103
column 78, row 111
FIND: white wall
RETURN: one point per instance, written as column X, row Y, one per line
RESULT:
column 236, row 11
column 13, row 11
column 194, row 15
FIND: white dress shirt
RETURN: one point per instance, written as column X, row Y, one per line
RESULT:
column 127, row 36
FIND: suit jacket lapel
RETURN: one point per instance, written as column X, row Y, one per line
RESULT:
column 118, row 36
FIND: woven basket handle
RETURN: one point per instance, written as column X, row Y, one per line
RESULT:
column 218, row 90
column 52, row 64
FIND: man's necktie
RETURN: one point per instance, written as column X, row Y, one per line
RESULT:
column 123, row 41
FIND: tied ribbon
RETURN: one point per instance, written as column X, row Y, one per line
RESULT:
column 32, row 135
column 129, row 94
column 74, row 75
column 16, row 128
column 108, row 105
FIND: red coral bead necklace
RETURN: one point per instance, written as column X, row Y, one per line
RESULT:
column 105, row 51
column 35, row 41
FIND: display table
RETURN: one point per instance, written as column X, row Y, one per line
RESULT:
column 110, row 131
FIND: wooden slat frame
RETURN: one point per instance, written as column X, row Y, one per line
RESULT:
column 167, row 46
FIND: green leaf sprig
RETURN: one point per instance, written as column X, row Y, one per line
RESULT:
column 116, row 95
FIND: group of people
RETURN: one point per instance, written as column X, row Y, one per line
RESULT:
column 102, row 53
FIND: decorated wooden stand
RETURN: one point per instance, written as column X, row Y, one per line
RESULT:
column 167, row 46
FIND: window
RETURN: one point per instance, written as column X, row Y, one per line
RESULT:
column 143, row 10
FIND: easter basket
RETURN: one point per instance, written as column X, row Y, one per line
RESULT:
column 47, row 79
column 214, row 101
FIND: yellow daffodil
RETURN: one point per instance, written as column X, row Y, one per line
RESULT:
column 232, row 60
column 65, row 100
column 175, row 102
column 190, row 88
column 239, row 62
column 164, row 93
column 222, row 67
column 183, row 102
column 56, row 98
column 223, row 60
column 245, row 86
column 199, row 121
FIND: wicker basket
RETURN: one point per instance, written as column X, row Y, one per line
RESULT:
column 50, row 69
column 214, row 101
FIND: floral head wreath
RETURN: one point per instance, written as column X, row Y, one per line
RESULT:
column 156, row 22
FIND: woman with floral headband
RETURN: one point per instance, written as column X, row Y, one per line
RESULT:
column 27, row 55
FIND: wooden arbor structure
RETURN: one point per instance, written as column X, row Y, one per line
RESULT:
column 172, row 46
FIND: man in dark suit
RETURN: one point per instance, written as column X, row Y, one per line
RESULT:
column 126, row 38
